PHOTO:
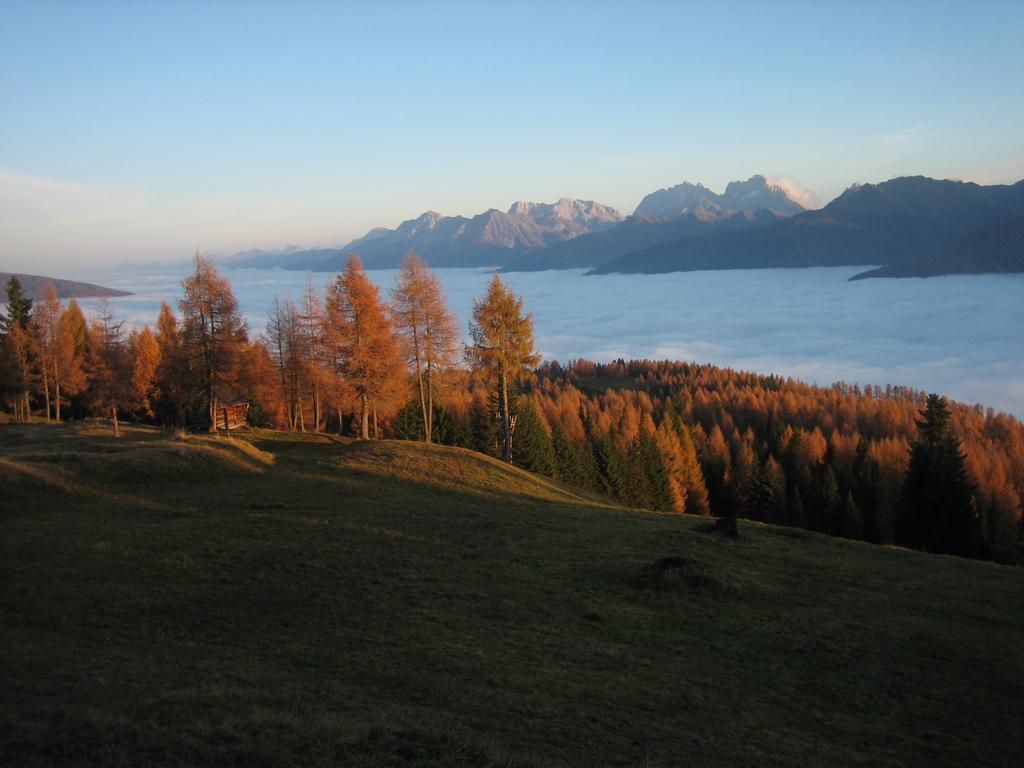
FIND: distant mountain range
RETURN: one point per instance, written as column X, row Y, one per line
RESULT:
column 490, row 238
column 896, row 222
column 536, row 236
column 33, row 286
column 996, row 248
column 668, row 215
column 753, row 224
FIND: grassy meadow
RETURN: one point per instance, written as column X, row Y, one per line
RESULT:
column 272, row 599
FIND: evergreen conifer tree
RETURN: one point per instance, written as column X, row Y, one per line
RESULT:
column 534, row 450
column 19, row 307
column 937, row 512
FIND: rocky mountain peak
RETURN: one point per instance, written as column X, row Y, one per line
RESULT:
column 751, row 195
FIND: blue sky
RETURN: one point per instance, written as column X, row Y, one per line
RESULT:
column 139, row 131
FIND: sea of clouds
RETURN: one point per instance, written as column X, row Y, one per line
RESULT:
column 957, row 335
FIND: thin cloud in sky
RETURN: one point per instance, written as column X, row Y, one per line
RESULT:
column 797, row 191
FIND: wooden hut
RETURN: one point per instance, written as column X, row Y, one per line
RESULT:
column 229, row 416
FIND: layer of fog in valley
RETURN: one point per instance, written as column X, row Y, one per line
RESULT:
column 958, row 335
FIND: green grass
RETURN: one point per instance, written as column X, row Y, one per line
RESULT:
column 273, row 600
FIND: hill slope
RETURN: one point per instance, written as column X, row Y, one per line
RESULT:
column 897, row 221
column 995, row 249
column 272, row 600
column 66, row 289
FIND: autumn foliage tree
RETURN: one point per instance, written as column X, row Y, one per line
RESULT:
column 213, row 332
column 144, row 355
column 46, row 322
column 67, row 356
column 502, row 349
column 109, row 366
column 312, row 330
column 172, row 377
column 284, row 342
column 429, row 332
column 365, row 346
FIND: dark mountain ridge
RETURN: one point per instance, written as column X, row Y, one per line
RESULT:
column 993, row 249
column 633, row 234
column 896, row 221
column 33, row 286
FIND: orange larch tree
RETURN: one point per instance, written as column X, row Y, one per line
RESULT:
column 144, row 352
column 429, row 331
column 109, row 365
column 502, row 349
column 365, row 344
column 213, row 331
column 46, row 318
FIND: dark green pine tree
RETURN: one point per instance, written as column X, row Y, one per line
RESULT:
column 866, row 492
column 658, row 488
column 611, row 466
column 937, row 511
column 479, row 431
column 636, row 488
column 851, row 521
column 531, row 447
column 823, row 504
column 408, row 422
column 408, row 425
column 795, row 515
column 443, row 428
column 19, row 307
column 15, row 350
column 767, row 496
column 573, row 462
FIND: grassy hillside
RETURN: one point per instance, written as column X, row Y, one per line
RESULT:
column 273, row 600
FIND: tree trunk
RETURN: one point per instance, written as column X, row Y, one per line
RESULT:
column 430, row 408
column 364, row 418
column 423, row 403
column 316, row 407
column 117, row 429
column 213, row 406
column 429, row 420
column 46, row 391
column 506, row 422
column 419, row 382
column 56, row 391
column 376, row 427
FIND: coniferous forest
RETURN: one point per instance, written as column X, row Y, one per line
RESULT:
column 885, row 465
